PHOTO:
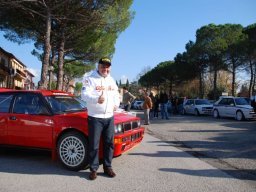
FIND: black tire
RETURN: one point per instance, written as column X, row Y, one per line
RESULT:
column 239, row 116
column 72, row 151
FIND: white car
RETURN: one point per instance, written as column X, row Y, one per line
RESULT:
column 236, row 107
column 197, row 107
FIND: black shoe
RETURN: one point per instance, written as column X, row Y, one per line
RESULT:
column 93, row 175
column 109, row 172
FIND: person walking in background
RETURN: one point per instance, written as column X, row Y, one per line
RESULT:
column 163, row 103
column 128, row 98
column 102, row 97
column 156, row 106
column 151, row 112
column 147, row 105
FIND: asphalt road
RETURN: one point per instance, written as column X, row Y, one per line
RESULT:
column 152, row 166
column 227, row 144
column 185, row 154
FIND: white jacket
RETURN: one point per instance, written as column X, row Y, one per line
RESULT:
column 95, row 85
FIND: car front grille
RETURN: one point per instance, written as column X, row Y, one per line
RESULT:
column 127, row 126
column 130, row 125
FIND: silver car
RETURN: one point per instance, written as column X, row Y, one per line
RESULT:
column 197, row 107
column 236, row 107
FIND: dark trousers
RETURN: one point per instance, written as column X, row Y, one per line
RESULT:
column 100, row 127
column 127, row 107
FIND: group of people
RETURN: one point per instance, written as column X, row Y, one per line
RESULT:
column 152, row 105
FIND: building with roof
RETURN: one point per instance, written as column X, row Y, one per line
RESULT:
column 13, row 73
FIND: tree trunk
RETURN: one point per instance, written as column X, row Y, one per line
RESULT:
column 66, row 85
column 233, row 77
column 61, row 63
column 215, row 84
column 201, row 92
column 51, row 68
column 254, row 78
column 251, row 80
column 47, row 50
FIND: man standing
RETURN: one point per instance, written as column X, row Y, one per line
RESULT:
column 147, row 105
column 163, row 103
column 102, row 97
column 127, row 99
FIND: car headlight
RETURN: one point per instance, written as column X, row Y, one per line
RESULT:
column 138, row 123
column 118, row 128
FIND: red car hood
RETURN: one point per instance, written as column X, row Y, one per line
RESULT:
column 124, row 117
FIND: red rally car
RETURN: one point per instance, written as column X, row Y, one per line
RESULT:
column 57, row 121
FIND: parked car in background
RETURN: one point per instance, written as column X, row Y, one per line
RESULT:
column 236, row 107
column 57, row 121
column 138, row 104
column 197, row 107
column 248, row 100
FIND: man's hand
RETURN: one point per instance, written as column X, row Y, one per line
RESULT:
column 101, row 98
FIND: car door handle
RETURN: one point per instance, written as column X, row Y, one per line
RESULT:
column 13, row 118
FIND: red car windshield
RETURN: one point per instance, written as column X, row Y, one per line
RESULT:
column 63, row 104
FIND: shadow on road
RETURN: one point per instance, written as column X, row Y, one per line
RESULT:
column 36, row 162
column 227, row 144
column 208, row 172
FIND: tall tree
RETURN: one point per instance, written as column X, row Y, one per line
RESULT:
column 82, row 30
column 234, row 57
column 127, row 83
column 210, row 38
column 23, row 20
column 250, row 55
column 197, row 64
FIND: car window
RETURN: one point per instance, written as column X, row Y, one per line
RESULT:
column 5, row 101
column 189, row 102
column 231, row 102
column 63, row 104
column 202, row 102
column 241, row 101
column 27, row 103
column 223, row 101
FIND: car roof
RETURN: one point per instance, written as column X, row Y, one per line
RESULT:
column 225, row 97
column 42, row 91
column 230, row 97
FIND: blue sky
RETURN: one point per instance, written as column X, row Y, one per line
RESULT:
column 159, row 30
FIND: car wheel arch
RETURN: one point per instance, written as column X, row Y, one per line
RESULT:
column 68, row 130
